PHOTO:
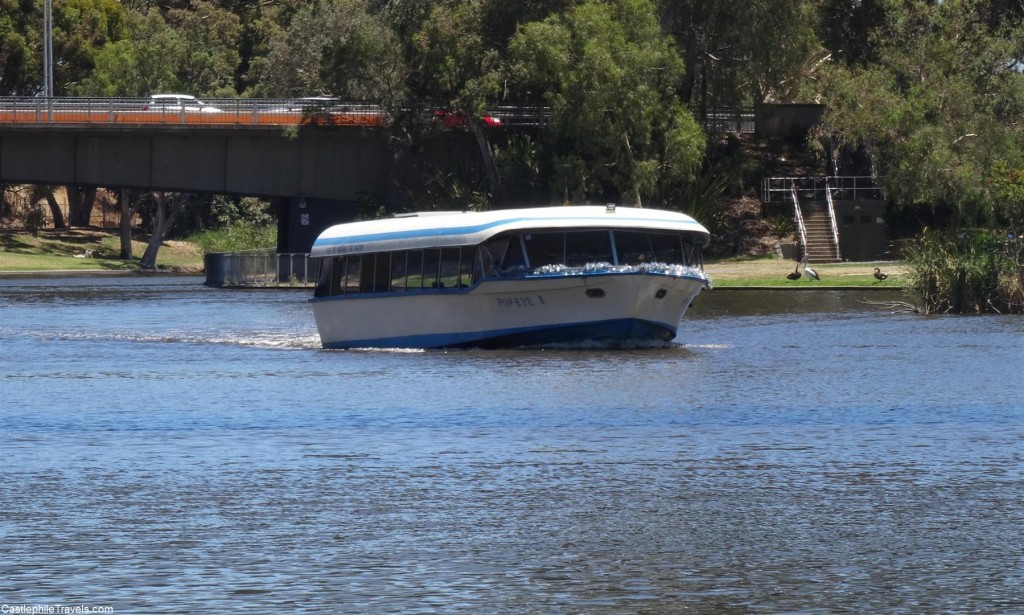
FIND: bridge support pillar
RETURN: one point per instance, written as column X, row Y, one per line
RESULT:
column 300, row 220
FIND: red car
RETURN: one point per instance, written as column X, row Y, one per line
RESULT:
column 452, row 119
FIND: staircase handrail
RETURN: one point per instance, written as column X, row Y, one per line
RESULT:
column 832, row 216
column 799, row 215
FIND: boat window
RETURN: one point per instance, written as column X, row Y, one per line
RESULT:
column 514, row 260
column 353, row 273
column 376, row 273
column 489, row 257
column 466, row 266
column 544, row 249
column 449, row 276
column 415, row 269
column 633, row 247
column 431, row 264
column 324, row 285
column 667, row 248
column 399, row 271
column 586, row 247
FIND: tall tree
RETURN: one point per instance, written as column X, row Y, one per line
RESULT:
column 941, row 109
column 742, row 52
column 81, row 29
column 332, row 47
column 20, row 47
column 617, row 131
column 144, row 62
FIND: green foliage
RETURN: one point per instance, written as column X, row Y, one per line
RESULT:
column 940, row 106
column 783, row 227
column 20, row 39
column 35, row 220
column 331, row 46
column 192, row 50
column 237, row 237
column 967, row 272
column 617, row 130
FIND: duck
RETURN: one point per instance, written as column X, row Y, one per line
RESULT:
column 879, row 275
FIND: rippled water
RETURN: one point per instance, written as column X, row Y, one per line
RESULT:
column 168, row 447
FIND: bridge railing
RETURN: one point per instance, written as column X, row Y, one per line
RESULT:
column 227, row 111
column 37, row 111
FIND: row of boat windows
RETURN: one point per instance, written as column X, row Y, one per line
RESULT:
column 501, row 256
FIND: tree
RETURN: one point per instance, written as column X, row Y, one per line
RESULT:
column 210, row 38
column 939, row 110
column 20, row 39
column 143, row 63
column 163, row 219
column 618, row 130
column 335, row 47
column 81, row 29
column 741, row 52
column 191, row 50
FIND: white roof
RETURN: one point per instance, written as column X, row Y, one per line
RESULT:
column 471, row 228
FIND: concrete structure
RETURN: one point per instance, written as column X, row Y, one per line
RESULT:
column 317, row 176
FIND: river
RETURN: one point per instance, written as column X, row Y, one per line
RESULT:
column 168, row 448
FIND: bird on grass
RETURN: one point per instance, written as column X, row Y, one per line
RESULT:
column 808, row 271
column 879, row 275
column 796, row 272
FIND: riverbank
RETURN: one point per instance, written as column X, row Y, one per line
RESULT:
column 95, row 251
column 88, row 250
column 772, row 272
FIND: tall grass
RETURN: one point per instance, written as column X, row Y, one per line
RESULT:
column 966, row 272
column 238, row 237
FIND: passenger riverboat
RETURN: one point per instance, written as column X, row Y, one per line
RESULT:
column 508, row 278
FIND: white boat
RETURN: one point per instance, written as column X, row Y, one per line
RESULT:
column 514, row 277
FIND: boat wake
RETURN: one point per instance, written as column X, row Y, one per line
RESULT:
column 254, row 339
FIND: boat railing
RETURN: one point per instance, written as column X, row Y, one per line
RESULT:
column 260, row 268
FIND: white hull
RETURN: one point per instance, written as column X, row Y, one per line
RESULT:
column 513, row 312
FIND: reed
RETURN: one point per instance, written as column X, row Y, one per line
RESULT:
column 966, row 272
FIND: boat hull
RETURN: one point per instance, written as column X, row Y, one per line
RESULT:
column 531, row 311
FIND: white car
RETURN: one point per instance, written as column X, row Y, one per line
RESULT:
column 178, row 102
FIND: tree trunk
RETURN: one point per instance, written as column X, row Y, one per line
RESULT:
column 488, row 157
column 126, row 224
column 80, row 205
column 55, row 212
column 161, row 224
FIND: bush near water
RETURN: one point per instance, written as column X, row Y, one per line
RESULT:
column 967, row 272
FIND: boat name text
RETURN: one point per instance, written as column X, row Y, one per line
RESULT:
column 344, row 249
column 520, row 302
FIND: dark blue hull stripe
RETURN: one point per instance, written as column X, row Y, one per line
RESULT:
column 620, row 330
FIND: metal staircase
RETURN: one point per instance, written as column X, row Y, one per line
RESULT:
column 814, row 214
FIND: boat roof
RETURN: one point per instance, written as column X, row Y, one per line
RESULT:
column 454, row 229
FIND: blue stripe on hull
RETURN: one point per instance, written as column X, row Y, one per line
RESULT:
column 621, row 330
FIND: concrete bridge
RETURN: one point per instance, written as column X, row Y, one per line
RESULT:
column 317, row 163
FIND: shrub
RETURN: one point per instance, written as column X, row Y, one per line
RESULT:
column 966, row 272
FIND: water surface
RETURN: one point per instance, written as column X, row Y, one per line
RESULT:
column 168, row 447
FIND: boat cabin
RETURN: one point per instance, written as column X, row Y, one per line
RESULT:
column 509, row 254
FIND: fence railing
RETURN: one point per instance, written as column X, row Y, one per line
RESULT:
column 798, row 214
column 820, row 189
column 260, row 269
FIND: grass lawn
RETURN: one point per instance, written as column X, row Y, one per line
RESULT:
column 65, row 250
column 772, row 272
column 88, row 250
